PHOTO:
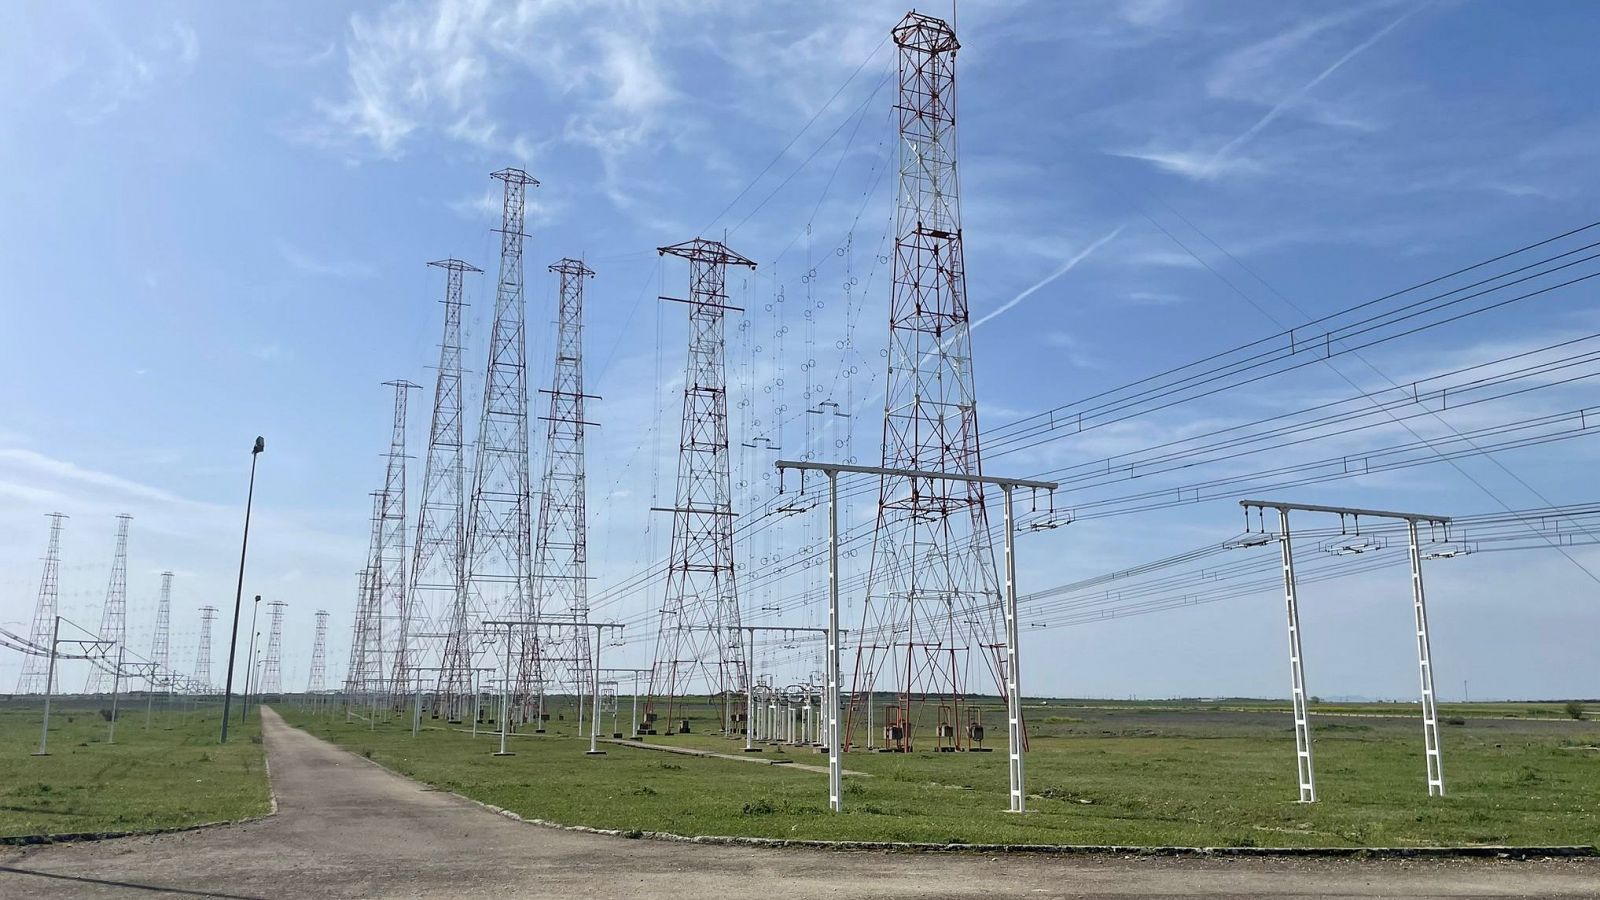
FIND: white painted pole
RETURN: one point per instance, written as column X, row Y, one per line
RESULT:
column 505, row 699
column 594, row 705
column 49, row 688
column 835, row 793
column 1297, row 673
column 750, row 694
column 1019, row 796
column 1430, row 712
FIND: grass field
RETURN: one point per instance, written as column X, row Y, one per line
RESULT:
column 1157, row 773
column 171, row 773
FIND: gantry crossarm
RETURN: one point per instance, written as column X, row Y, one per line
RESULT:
column 915, row 473
column 1344, row 511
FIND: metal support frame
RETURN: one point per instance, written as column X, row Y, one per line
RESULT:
column 1302, row 726
column 594, row 670
column 1013, row 659
column 750, row 683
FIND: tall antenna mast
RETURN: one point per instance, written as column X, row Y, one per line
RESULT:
column 364, row 675
column 318, row 681
column 932, row 591
column 499, row 565
column 560, row 564
column 698, row 641
column 438, row 569
column 35, row 669
column 114, row 617
column 202, row 656
column 272, row 669
column 391, row 573
column 161, row 643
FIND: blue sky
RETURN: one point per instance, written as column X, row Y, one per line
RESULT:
column 217, row 219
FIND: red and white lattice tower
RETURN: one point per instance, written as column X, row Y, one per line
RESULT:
column 272, row 668
column 202, row 656
column 438, row 591
column 317, row 682
column 499, row 521
column 391, row 572
column 560, row 557
column 932, row 591
column 35, row 667
column 698, row 647
column 114, row 617
column 161, row 674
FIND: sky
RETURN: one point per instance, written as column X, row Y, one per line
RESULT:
column 217, row 219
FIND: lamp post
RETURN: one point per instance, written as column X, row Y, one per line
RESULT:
column 238, row 594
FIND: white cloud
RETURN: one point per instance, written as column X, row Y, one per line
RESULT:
column 306, row 264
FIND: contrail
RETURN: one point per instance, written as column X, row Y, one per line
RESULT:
column 1296, row 95
column 1066, row 267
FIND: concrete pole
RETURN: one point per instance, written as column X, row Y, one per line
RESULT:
column 49, row 686
column 750, row 696
column 636, row 705
column 416, row 710
column 1430, row 713
column 505, row 699
column 594, row 698
column 116, row 682
column 1015, row 738
column 1297, row 674
column 835, row 792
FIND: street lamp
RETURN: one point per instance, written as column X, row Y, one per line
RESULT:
column 238, row 594
column 250, row 663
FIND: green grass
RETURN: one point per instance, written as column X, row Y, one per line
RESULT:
column 1131, row 774
column 172, row 774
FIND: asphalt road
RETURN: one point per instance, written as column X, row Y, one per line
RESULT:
column 346, row 828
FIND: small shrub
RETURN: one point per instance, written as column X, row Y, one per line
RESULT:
column 1455, row 720
column 105, row 714
column 762, row 807
column 1573, row 709
column 644, row 791
column 367, row 753
column 255, row 738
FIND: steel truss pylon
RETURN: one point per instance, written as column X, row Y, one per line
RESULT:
column 202, row 655
column 272, row 666
column 438, row 592
column 317, row 681
column 698, row 642
column 36, row 670
column 114, row 618
column 933, row 594
column 161, row 640
column 391, row 562
column 560, row 562
column 364, row 675
column 499, row 522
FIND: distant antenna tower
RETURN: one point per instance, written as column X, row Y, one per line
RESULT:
column 365, row 674
column 114, row 617
column 202, row 657
column 698, row 641
column 438, row 568
column 560, row 561
column 318, row 682
column 160, row 645
column 499, row 564
column 932, row 590
column 272, row 669
column 392, row 583
column 35, row 668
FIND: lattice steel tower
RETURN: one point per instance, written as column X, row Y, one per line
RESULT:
column 932, row 591
column 114, row 617
column 560, row 559
column 438, row 591
column 35, row 669
column 161, row 642
column 499, row 524
column 365, row 672
column 698, row 644
column 202, row 656
column 391, row 572
column 317, row 682
column 272, row 668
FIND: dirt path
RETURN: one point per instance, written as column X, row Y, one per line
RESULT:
column 346, row 828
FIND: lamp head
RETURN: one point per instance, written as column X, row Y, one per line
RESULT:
column 261, row 444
